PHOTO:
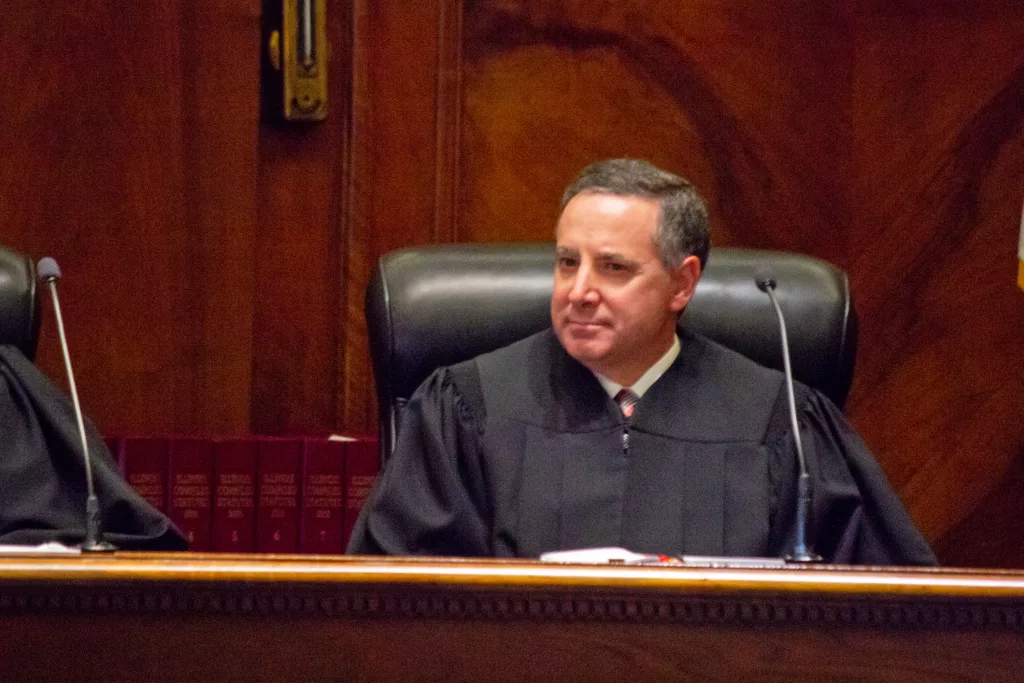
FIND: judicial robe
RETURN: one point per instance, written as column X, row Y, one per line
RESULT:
column 42, row 475
column 521, row 451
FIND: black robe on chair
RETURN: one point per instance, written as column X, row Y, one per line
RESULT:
column 42, row 475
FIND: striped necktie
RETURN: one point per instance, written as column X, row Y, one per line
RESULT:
column 627, row 401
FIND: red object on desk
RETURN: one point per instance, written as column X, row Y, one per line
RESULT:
column 190, row 478
column 361, row 467
column 234, row 496
column 277, row 506
column 144, row 464
column 323, row 497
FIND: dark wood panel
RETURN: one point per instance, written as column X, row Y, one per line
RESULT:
column 207, row 617
column 91, row 133
column 297, row 288
column 719, row 92
column 939, row 167
column 403, row 144
column 220, row 61
column 300, row 286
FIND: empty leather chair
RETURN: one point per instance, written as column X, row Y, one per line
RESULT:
column 19, row 302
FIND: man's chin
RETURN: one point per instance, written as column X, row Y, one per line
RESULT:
column 585, row 351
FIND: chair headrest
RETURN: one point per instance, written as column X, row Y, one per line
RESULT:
column 432, row 306
column 19, row 305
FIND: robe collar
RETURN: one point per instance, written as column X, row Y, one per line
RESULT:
column 640, row 387
column 707, row 393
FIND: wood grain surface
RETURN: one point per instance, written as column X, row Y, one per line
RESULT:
column 206, row 617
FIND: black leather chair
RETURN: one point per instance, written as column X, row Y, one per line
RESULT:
column 432, row 306
column 19, row 302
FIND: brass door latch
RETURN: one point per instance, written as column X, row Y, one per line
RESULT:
column 296, row 44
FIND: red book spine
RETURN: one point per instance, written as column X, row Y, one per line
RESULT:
column 234, row 496
column 190, row 471
column 323, row 498
column 277, row 510
column 361, row 467
column 144, row 464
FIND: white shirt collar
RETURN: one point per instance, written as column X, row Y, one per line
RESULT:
column 648, row 378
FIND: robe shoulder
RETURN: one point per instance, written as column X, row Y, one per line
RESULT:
column 861, row 518
column 431, row 497
column 42, row 474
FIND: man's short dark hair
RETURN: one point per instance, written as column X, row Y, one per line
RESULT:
column 683, row 225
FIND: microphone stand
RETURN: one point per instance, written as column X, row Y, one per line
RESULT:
column 802, row 551
column 49, row 271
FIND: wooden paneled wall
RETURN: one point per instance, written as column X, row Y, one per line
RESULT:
column 937, row 183
column 202, row 249
column 215, row 263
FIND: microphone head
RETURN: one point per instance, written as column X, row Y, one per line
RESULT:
column 48, row 269
column 765, row 279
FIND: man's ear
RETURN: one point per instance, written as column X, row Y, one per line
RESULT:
column 685, row 279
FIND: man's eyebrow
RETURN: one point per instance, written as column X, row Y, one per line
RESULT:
column 566, row 251
column 614, row 256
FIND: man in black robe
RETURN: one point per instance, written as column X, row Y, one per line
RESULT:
column 610, row 429
column 42, row 474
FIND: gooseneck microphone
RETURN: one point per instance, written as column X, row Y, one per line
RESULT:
column 802, row 551
column 49, row 273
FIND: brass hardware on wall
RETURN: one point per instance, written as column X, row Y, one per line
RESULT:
column 296, row 51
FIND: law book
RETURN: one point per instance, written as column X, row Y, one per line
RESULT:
column 190, row 477
column 234, row 495
column 361, row 467
column 143, row 462
column 277, row 508
column 323, row 497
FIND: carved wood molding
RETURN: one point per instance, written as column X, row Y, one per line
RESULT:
column 303, row 601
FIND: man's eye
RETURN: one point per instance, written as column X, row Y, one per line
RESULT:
column 613, row 267
column 566, row 262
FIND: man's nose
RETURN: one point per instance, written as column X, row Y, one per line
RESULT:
column 582, row 290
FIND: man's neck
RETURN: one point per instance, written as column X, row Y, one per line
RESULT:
column 646, row 379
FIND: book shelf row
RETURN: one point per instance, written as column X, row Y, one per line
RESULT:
column 253, row 494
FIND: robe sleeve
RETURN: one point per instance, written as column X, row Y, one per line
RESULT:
column 42, row 474
column 858, row 517
column 431, row 498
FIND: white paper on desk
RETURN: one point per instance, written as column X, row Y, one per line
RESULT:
column 623, row 556
column 600, row 556
column 51, row 548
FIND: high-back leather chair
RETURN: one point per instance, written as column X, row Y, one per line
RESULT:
column 19, row 302
column 427, row 307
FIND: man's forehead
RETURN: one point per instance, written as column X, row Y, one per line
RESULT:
column 622, row 227
column 612, row 202
column 591, row 212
